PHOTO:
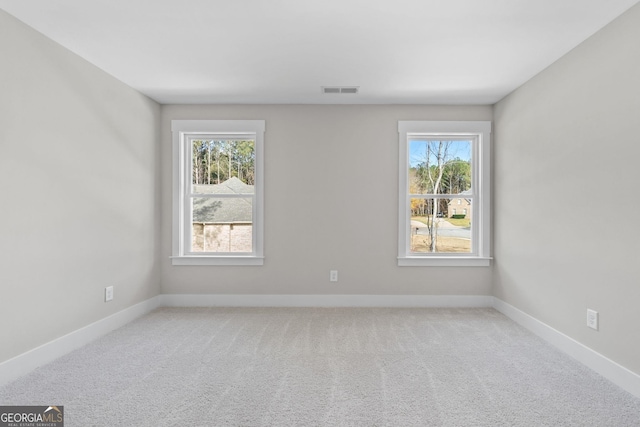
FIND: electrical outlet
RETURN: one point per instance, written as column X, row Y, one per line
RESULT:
column 108, row 293
column 592, row 319
column 333, row 276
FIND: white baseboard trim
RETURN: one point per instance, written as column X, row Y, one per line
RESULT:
column 208, row 300
column 26, row 362
column 617, row 374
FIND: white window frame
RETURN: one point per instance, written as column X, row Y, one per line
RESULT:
column 183, row 132
column 480, row 132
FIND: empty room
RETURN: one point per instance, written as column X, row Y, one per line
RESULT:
column 305, row 213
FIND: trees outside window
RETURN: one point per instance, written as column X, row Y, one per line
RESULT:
column 442, row 165
column 215, row 161
column 218, row 198
column 439, row 169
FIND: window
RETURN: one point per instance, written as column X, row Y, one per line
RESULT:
column 444, row 165
column 217, row 192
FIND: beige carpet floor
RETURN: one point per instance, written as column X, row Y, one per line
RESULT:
column 323, row 367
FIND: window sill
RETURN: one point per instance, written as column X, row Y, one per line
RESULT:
column 216, row 260
column 444, row 261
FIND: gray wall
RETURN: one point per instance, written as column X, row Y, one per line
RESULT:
column 79, row 174
column 331, row 178
column 566, row 157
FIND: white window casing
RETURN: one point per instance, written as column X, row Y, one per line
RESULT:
column 479, row 132
column 184, row 132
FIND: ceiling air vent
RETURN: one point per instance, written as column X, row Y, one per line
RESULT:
column 340, row 89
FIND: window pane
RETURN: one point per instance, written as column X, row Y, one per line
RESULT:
column 228, row 164
column 440, row 225
column 222, row 224
column 439, row 166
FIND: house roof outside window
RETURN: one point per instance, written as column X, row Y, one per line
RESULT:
column 223, row 210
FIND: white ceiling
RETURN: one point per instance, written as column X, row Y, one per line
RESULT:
column 283, row 51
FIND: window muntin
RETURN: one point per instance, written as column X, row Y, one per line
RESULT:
column 444, row 193
column 218, row 201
